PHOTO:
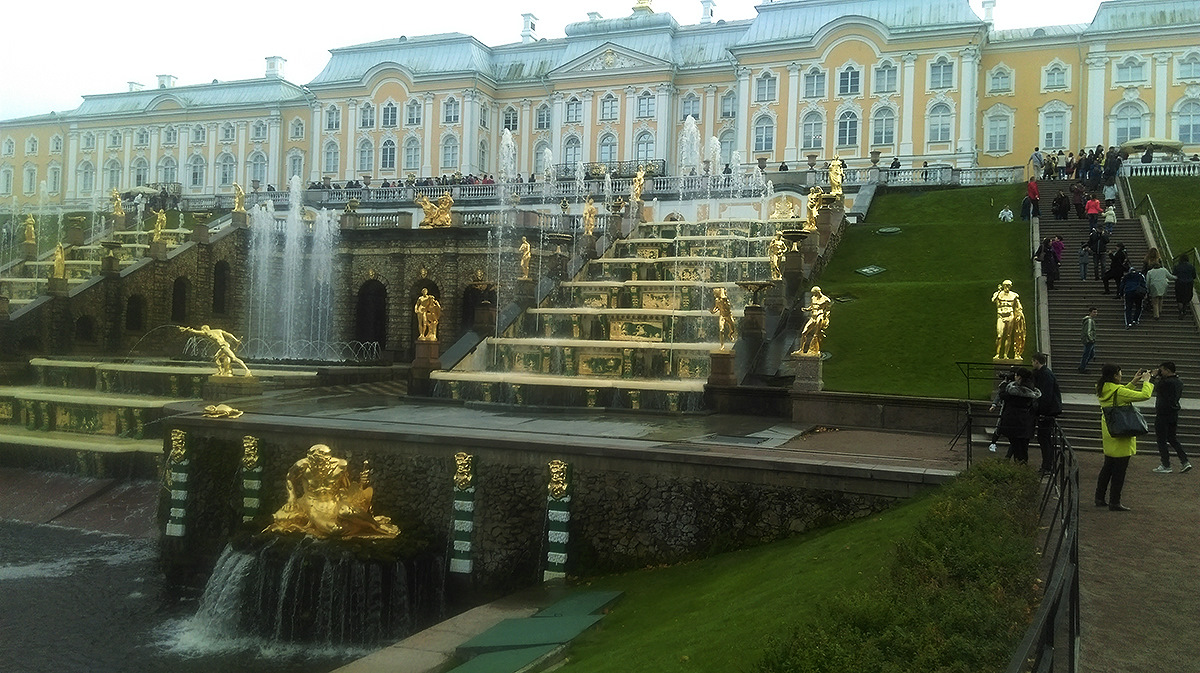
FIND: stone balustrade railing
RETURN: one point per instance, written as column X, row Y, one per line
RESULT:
column 1181, row 169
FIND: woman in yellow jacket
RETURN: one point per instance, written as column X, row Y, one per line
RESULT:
column 1117, row 450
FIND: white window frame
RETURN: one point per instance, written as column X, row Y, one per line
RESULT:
column 54, row 179
column 140, row 172
column 766, row 87
column 606, row 149
column 816, row 83
column 296, row 129
column 1127, row 64
column 610, row 108
column 366, row 156
column 572, row 151
column 228, row 133
column 414, row 110
column 449, row 152
column 729, row 105
column 333, row 118
column 1120, row 131
column 387, row 155
column 257, row 168
column 85, row 174
column 764, row 134
column 1187, row 68
column 170, row 135
column 941, row 73
column 366, row 116
column 31, row 146
column 412, row 154
column 877, row 80
column 451, row 112
column 511, row 119
column 1009, row 75
column 1064, row 69
column 997, row 130
column 689, row 106
column 226, row 170
column 849, row 81
column 1188, row 116
column 331, row 157
column 389, row 115
column 646, row 105
column 845, row 125
column 89, row 141
column 542, row 118
column 643, row 147
column 198, row 134
column 168, row 170
column 9, row 147
column 258, row 130
column 943, row 132
column 141, row 137
column 573, row 111
column 197, row 169
column 883, row 128
column 812, row 130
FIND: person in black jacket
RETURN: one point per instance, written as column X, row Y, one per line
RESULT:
column 1049, row 406
column 1017, row 416
column 1167, row 391
column 1118, row 261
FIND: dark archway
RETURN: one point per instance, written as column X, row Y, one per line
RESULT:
column 179, row 296
column 135, row 313
column 220, row 288
column 370, row 315
column 85, row 329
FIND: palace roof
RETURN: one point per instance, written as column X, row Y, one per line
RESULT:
column 264, row 91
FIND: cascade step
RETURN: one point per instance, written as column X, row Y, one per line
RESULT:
column 82, row 411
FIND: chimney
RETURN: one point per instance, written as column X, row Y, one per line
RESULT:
column 135, row 86
column 988, row 6
column 275, row 66
column 166, row 81
column 706, row 7
column 529, row 32
column 594, row 16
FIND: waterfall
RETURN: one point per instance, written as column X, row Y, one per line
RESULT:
column 508, row 158
column 689, row 147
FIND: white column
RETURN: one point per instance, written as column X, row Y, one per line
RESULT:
column 664, row 138
column 742, row 111
column 1161, row 86
column 556, row 122
column 127, row 150
column 349, row 157
column 585, row 144
column 906, row 113
column 710, row 112
column 791, row 151
column 627, row 125
column 152, row 158
column 525, row 149
column 210, row 137
column 314, row 131
column 968, row 104
column 429, row 158
column 1095, row 114
column 274, row 152
column 470, row 131
column 69, row 169
column 242, row 175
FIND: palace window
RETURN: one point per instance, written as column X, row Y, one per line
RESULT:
column 542, row 120
column 511, row 119
column 258, row 168
column 939, row 117
column 941, row 74
column 87, row 177
column 608, row 108
column 295, row 165
column 644, row 147
column 366, row 116
column 814, row 84
column 574, row 111
column 6, row 180
column 608, row 148
column 170, row 135
column 450, row 152
column 483, row 155
column 168, row 170
column 539, row 158
column 764, row 134
column 847, row 131
column 30, row 182
column 726, row 141
column 849, row 82
column 296, row 129
column 1130, row 70
column 198, row 134
column 1189, row 123
column 811, row 130
column 998, row 128
column 1056, row 77
column 484, row 113
column 572, row 151
column 331, row 157
column 54, row 179
column 690, row 107
column 1000, row 82
column 389, row 115
column 451, row 110
column 226, row 170
column 764, row 88
column 10, row 147
column 885, row 78
column 1129, row 123
column 227, row 133
column 333, row 118
column 258, row 131
column 196, row 170
column 1054, row 130
column 645, row 105
column 141, row 138
column 114, row 138
column 412, row 113
column 1189, row 68
column 729, row 105
column 366, row 156
column 883, row 123
column 412, row 154
column 89, row 141
column 112, row 175
column 31, row 146
column 387, row 154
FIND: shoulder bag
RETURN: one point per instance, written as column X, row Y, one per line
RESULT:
column 1125, row 421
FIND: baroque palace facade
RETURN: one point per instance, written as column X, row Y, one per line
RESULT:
column 921, row 80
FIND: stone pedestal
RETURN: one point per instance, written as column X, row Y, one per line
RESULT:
column 349, row 221
column 526, row 289
column 754, row 323
column 29, row 250
column 587, row 246
column 56, row 287
column 110, row 266
column 485, row 319
column 120, row 222
column 200, row 233
column 220, row 388
column 75, row 236
column 158, row 250
column 426, row 360
column 3, row 306
column 721, row 371
column 806, row 369
column 240, row 219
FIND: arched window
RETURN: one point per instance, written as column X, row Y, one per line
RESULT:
column 179, row 298
column 850, row 82
column 333, row 118
column 228, row 133
column 814, row 83
column 366, row 156
column 388, row 115
column 112, row 175
column 999, row 128
column 295, row 165
column 644, row 146
column 387, row 155
column 939, row 123
column 451, row 110
column 941, row 74
column 1130, row 70
column 412, row 154
column 885, row 78
column 31, row 179
column 729, row 105
column 764, row 134
column 258, row 168
column 226, row 169
column 511, row 119
column 1189, row 123
column 86, row 177
column 1054, row 130
column 141, row 172
column 412, row 113
column 572, row 151
column 114, row 138
column 574, row 111
column 847, row 131
column 765, row 87
column 883, row 123
column 483, row 155
column 141, row 138
column 220, row 287
column 1056, row 77
column 539, row 158
column 608, row 148
column 543, row 118
column 296, row 129
column 1000, row 81
column 1189, row 67
column 196, row 170
column 331, row 157
column 608, row 108
column 6, row 180
column 168, row 170
column 366, row 116
column 135, row 313
column 31, row 146
column 1129, row 123
column 726, row 141
column 450, row 152
column 54, row 178
column 198, row 134
column 258, row 131
column 170, row 135
column 9, row 148
column 812, row 131
column 645, row 105
column 690, row 107
column 89, row 141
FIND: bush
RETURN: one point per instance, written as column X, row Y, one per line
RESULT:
column 957, row 598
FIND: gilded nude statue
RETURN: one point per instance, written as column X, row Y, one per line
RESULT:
column 777, row 250
column 160, row 223
column 589, row 217
column 60, row 262
column 239, row 199
column 837, row 172
column 225, row 358
column 117, row 209
column 815, row 195
column 30, row 231
column 429, row 312
column 636, row 185
column 1010, row 323
column 436, row 214
column 813, row 332
column 324, row 502
column 722, row 309
column 526, row 257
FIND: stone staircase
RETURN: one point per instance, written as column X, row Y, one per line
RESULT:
column 1142, row 347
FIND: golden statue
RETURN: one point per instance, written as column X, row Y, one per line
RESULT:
column 323, row 502
column 225, row 357
column 117, row 209
column 239, row 199
column 558, row 479
column 589, row 217
column 221, row 411
column 429, row 312
column 724, row 312
column 30, row 232
column 436, row 214
column 837, row 171
column 160, row 223
column 1010, row 323
column 777, row 250
column 526, row 257
column 818, row 320
column 783, row 210
column 635, row 186
column 60, row 262
column 815, row 195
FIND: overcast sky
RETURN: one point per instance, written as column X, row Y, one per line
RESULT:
column 60, row 51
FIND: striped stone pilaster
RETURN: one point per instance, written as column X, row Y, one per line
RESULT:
column 251, row 478
column 178, row 471
column 464, row 515
column 558, row 519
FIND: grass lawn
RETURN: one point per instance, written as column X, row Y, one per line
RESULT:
column 716, row 614
column 906, row 327
column 1178, row 203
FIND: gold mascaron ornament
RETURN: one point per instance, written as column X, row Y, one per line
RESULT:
column 558, row 479
column 463, row 475
column 324, row 502
column 249, row 452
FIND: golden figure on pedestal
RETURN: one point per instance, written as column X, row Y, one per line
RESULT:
column 463, row 472
column 239, row 199
column 558, row 479
column 225, row 357
column 815, row 196
column 526, row 257
column 324, row 502
column 1010, row 323
column 117, row 209
column 429, row 312
column 777, row 250
column 724, row 312
column 589, row 217
column 635, row 187
column 60, row 262
column 30, row 231
column 436, row 214
column 837, row 171
column 818, row 320
column 160, row 223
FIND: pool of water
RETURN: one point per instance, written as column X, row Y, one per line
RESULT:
column 73, row 600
